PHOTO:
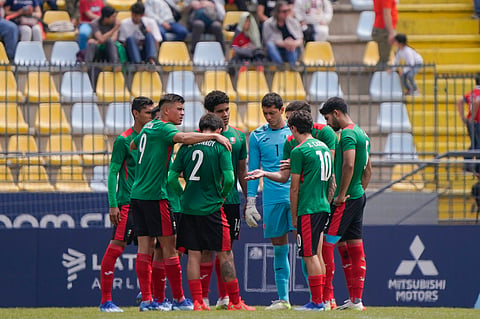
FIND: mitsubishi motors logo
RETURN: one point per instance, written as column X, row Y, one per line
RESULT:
column 406, row 267
column 74, row 261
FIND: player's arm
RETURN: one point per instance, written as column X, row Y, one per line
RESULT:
column 242, row 174
column 347, row 173
column 280, row 176
column 118, row 156
column 195, row 137
column 228, row 182
column 294, row 188
column 367, row 173
column 174, row 183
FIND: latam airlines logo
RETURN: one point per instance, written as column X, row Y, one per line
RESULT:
column 74, row 261
column 406, row 267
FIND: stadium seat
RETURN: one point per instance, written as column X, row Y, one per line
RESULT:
column 318, row 53
column 251, row 86
column 413, row 183
column 362, row 5
column 231, row 18
column 365, row 25
column 12, row 120
column 400, row 146
column 324, row 85
column 76, row 87
column 61, row 150
column 30, row 53
column 111, row 87
column 57, row 16
column 51, row 119
column 4, row 61
column 236, row 118
column 41, row 88
column 8, row 88
column 86, row 118
column 289, row 85
column 147, row 84
column 371, row 57
column 183, row 83
column 95, row 149
column 25, row 150
column 34, row 178
column 119, row 118
column 174, row 56
column 218, row 80
column 71, row 179
column 100, row 179
column 393, row 117
column 193, row 112
column 3, row 154
column 6, row 180
column 64, row 53
column 122, row 15
column 209, row 54
column 255, row 116
column 385, row 86
column 120, row 4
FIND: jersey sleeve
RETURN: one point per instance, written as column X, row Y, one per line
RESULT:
column 296, row 162
column 177, row 165
column 328, row 136
column 168, row 132
column 287, row 149
column 119, row 152
column 348, row 140
column 253, row 163
column 225, row 159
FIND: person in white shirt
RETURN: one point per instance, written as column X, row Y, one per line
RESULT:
column 160, row 11
column 411, row 60
column 140, row 35
column 314, row 15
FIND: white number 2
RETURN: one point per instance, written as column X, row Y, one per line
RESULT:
column 326, row 167
column 198, row 156
column 141, row 147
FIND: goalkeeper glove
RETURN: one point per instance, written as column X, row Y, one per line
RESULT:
column 251, row 213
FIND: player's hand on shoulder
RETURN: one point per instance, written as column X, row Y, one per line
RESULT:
column 284, row 164
column 224, row 141
column 251, row 213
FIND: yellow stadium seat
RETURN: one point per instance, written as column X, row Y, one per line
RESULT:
column 412, row 183
column 3, row 155
column 174, row 56
column 51, row 119
column 12, row 120
column 122, row 15
column 33, row 178
column 41, row 88
column 25, row 149
column 147, row 84
column 92, row 144
column 236, row 119
column 251, row 86
column 218, row 80
column 318, row 54
column 8, row 88
column 59, row 144
column 58, row 15
column 121, row 4
column 255, row 116
column 71, row 179
column 231, row 17
column 111, row 87
column 4, row 58
column 371, row 57
column 289, row 85
column 6, row 180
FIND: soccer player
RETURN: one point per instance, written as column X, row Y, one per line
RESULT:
column 149, row 200
column 203, row 225
column 352, row 172
column 120, row 180
column 216, row 102
column 266, row 150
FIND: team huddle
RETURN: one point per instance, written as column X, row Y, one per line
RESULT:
column 314, row 187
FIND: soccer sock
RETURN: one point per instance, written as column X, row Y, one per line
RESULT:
column 347, row 266
column 316, row 287
column 174, row 275
column 205, row 277
column 196, row 289
column 359, row 268
column 305, row 274
column 282, row 271
column 159, row 280
column 107, row 270
column 328, row 258
column 233, row 291
column 222, row 290
column 144, row 274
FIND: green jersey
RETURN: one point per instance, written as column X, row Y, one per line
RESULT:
column 352, row 138
column 202, row 165
column 239, row 152
column 122, row 169
column 173, row 198
column 321, row 132
column 312, row 160
column 155, row 148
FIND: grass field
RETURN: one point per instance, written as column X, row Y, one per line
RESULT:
column 132, row 312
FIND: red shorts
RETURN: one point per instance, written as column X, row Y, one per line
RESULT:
column 124, row 230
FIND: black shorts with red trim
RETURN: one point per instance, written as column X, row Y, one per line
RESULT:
column 205, row 232
column 152, row 217
column 309, row 229
column 124, row 231
column 232, row 211
column 346, row 221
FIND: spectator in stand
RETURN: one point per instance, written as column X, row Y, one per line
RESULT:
column 246, row 44
column 140, row 36
column 101, row 47
column 472, row 120
column 8, row 34
column 89, row 11
column 384, row 28
column 72, row 8
column 412, row 62
column 265, row 10
column 25, row 14
column 52, row 4
column 314, row 16
column 160, row 11
column 476, row 5
column 282, row 35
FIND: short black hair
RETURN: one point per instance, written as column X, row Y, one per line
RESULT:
column 401, row 38
column 140, row 102
column 298, row 106
column 210, row 122
column 334, row 103
column 272, row 99
column 155, row 110
column 137, row 8
column 215, row 98
column 170, row 98
column 107, row 12
column 302, row 120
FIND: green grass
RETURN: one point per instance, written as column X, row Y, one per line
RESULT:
column 132, row 312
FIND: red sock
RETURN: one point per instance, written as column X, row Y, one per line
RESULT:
column 233, row 291
column 359, row 268
column 328, row 258
column 316, row 287
column 107, row 270
column 159, row 280
column 174, row 275
column 205, row 277
column 347, row 266
column 196, row 289
column 144, row 274
column 222, row 290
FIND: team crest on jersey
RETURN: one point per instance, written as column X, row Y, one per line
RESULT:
column 233, row 140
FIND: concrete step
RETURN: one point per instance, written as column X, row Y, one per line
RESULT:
column 435, row 11
column 440, row 41
column 451, row 55
column 437, row 26
column 402, row 2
